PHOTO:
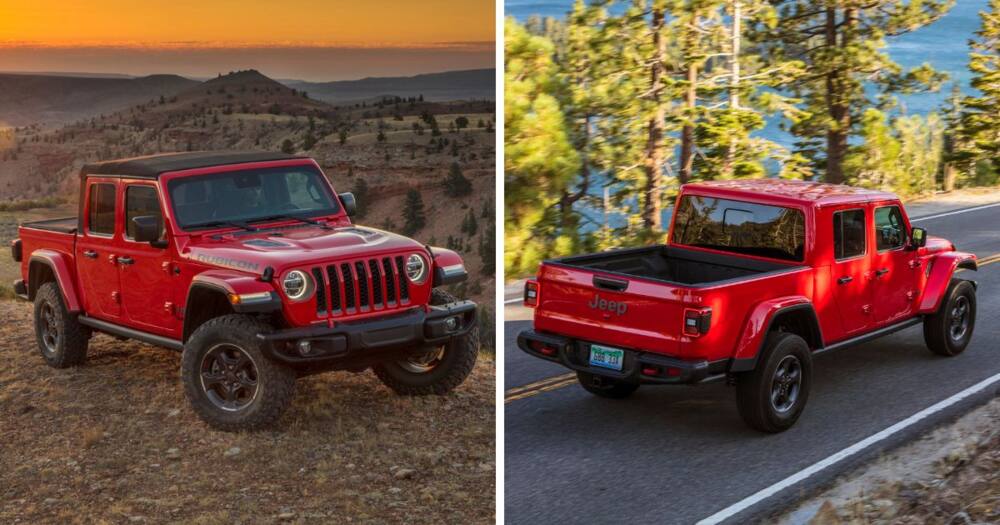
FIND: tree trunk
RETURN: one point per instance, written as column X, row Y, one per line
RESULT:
column 840, row 113
column 655, row 149
column 690, row 102
column 734, row 81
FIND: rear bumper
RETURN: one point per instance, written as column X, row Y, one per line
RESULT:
column 361, row 343
column 574, row 354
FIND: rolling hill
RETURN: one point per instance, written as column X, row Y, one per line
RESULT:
column 52, row 99
column 473, row 84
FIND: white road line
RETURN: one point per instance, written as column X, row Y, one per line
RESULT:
column 512, row 301
column 956, row 212
column 761, row 495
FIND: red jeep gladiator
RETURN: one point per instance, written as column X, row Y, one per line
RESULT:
column 756, row 277
column 249, row 264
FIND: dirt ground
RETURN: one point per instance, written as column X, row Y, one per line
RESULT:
column 950, row 475
column 114, row 441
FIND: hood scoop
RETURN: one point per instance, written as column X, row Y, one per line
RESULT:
column 266, row 243
column 365, row 233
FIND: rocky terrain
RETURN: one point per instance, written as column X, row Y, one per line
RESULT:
column 950, row 475
column 383, row 149
column 114, row 441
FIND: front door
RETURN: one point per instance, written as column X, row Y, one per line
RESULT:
column 895, row 267
column 146, row 271
column 95, row 250
column 851, row 269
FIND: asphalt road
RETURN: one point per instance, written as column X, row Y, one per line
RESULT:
column 680, row 454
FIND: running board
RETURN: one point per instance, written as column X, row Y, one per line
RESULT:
column 864, row 338
column 129, row 333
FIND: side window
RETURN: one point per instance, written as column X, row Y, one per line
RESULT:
column 890, row 231
column 141, row 201
column 101, row 211
column 849, row 239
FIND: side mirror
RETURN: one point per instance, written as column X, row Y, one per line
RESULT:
column 147, row 229
column 350, row 204
column 918, row 238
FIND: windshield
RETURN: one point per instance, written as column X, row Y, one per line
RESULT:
column 740, row 227
column 251, row 195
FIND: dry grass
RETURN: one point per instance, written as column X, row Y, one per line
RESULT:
column 114, row 441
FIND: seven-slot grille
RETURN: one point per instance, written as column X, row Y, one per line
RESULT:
column 362, row 285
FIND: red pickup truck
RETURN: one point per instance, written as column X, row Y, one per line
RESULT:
column 249, row 264
column 756, row 277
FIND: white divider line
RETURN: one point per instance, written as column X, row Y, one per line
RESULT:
column 801, row 475
column 956, row 212
column 512, row 301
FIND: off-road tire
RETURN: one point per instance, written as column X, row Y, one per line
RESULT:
column 72, row 339
column 275, row 382
column 754, row 388
column 937, row 326
column 455, row 365
column 606, row 387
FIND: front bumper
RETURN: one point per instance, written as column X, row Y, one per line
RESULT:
column 575, row 355
column 362, row 342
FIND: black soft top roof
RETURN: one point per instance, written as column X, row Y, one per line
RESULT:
column 152, row 166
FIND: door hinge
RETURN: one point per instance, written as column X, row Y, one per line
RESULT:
column 116, row 296
column 910, row 295
column 867, row 308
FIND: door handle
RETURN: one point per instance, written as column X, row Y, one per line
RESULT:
column 90, row 254
column 126, row 260
column 881, row 272
column 845, row 279
column 914, row 263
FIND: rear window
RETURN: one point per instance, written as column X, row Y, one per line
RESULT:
column 740, row 227
column 101, row 219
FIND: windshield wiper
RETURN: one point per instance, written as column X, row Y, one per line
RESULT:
column 314, row 222
column 209, row 224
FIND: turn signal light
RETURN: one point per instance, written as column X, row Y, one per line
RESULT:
column 697, row 321
column 531, row 293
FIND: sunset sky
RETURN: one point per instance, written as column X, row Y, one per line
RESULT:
column 305, row 39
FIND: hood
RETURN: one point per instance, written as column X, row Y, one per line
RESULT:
column 296, row 246
column 937, row 244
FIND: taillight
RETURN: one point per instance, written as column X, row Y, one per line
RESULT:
column 697, row 321
column 531, row 293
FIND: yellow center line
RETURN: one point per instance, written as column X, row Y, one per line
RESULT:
column 545, row 385
column 556, row 382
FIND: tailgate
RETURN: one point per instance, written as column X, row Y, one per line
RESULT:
column 609, row 308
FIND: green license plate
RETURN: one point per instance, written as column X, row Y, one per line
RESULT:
column 606, row 357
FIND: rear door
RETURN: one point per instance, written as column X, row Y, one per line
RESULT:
column 896, row 268
column 147, row 278
column 95, row 249
column 851, row 268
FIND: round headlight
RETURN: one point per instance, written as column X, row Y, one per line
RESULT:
column 297, row 285
column 416, row 268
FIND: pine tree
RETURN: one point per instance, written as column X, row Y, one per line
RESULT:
column 361, row 194
column 841, row 44
column 980, row 121
column 413, row 213
column 455, row 184
column 539, row 158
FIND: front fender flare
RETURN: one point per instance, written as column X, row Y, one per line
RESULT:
column 62, row 269
column 448, row 266
column 941, row 269
column 754, row 333
column 231, row 283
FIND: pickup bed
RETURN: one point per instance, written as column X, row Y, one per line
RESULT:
column 756, row 276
